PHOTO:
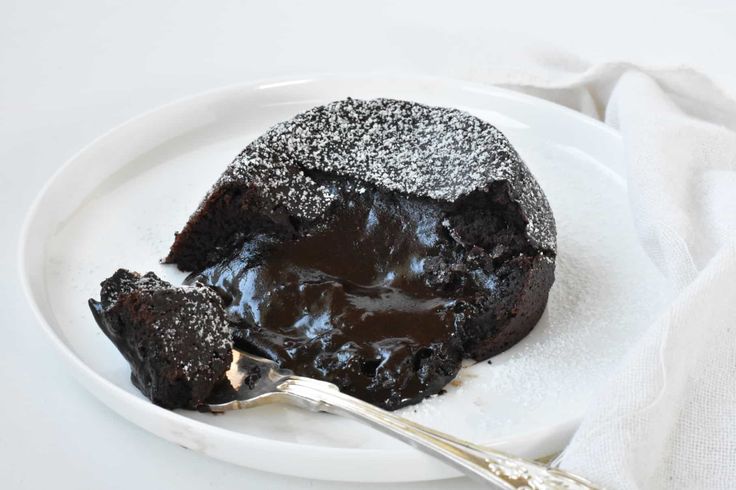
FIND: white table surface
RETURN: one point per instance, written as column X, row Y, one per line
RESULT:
column 71, row 70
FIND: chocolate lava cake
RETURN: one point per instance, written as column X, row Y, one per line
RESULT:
column 176, row 339
column 375, row 244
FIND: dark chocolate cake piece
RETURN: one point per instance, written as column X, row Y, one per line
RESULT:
column 375, row 244
column 176, row 339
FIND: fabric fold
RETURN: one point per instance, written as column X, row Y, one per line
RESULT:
column 667, row 417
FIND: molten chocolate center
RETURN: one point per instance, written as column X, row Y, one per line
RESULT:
column 348, row 302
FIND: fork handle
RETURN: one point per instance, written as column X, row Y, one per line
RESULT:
column 504, row 471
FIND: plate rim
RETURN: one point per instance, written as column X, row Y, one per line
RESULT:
column 89, row 377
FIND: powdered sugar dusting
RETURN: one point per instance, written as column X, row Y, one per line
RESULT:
column 396, row 145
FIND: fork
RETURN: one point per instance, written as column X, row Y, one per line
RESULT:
column 258, row 381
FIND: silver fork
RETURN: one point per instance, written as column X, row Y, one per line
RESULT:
column 258, row 381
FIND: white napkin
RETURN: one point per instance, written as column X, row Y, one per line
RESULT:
column 667, row 418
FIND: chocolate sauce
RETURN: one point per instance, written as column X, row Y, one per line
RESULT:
column 350, row 301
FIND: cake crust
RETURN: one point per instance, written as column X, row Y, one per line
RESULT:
column 397, row 146
column 395, row 184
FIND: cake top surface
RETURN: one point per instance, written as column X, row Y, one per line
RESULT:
column 399, row 146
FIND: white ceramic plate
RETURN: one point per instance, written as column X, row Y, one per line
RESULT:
column 118, row 202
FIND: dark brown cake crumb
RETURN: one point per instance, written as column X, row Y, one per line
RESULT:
column 176, row 339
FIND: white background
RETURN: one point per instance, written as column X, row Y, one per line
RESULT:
column 71, row 70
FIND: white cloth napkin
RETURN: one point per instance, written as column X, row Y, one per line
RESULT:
column 667, row 418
